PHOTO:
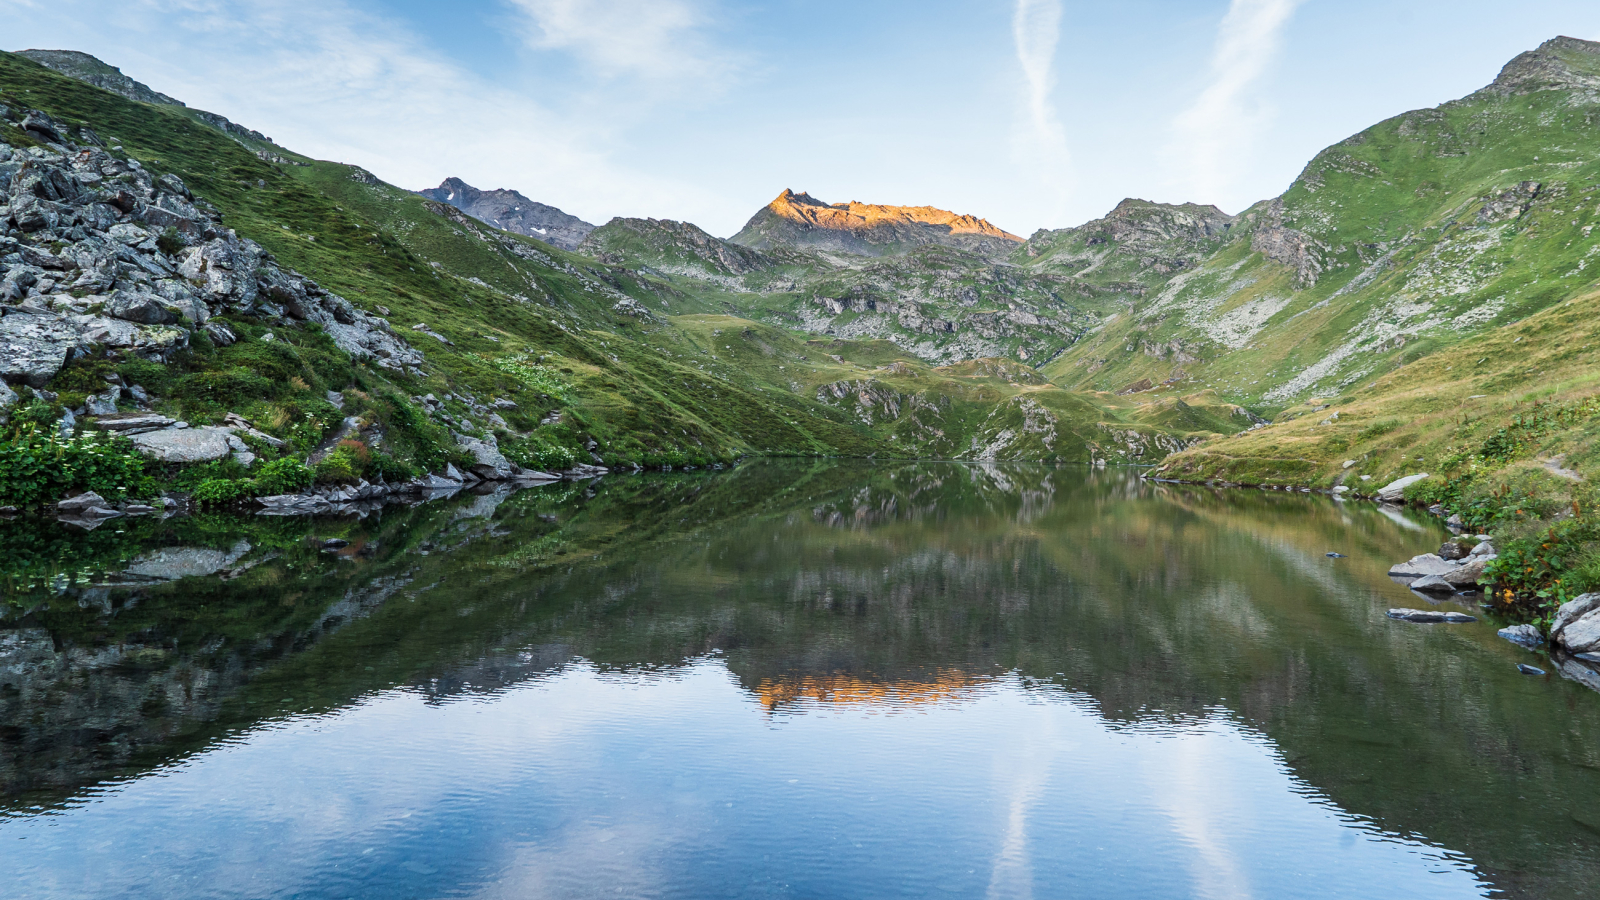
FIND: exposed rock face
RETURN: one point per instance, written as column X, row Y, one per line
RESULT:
column 1295, row 249
column 185, row 445
column 1577, row 624
column 1158, row 238
column 99, row 256
column 800, row 220
column 511, row 211
column 1422, row 565
column 86, row 68
column 1561, row 63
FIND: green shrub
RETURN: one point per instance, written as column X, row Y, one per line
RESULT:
column 532, row 375
column 347, row 462
column 216, row 491
column 390, row 469
column 283, row 476
column 1533, row 576
column 38, row 467
column 229, row 388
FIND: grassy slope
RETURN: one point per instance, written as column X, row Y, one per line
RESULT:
column 1408, row 265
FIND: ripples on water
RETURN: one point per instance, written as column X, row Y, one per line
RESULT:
column 791, row 682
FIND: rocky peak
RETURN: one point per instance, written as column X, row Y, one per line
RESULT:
column 511, row 211
column 1561, row 63
column 868, row 229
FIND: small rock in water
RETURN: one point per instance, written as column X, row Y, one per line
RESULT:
column 1337, row 556
column 1526, row 635
column 334, row 543
column 1433, row 584
column 1526, row 669
column 1429, row 615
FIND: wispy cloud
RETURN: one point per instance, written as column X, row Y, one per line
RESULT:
column 1036, row 30
column 1225, row 118
column 327, row 78
column 654, row 39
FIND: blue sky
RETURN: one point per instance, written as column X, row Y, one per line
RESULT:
column 1032, row 113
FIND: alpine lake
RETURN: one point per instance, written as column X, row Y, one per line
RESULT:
column 807, row 679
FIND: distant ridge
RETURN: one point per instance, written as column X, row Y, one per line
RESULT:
column 802, row 221
column 88, row 69
column 509, row 210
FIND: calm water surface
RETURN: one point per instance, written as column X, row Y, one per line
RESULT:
column 788, row 680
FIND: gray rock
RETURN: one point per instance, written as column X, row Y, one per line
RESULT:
column 146, row 309
column 488, row 462
column 103, row 404
column 1394, row 491
column 1465, row 577
column 1526, row 635
column 1433, row 584
column 452, row 474
column 1571, row 611
column 184, row 445
column 35, row 344
column 83, row 501
column 8, row 397
column 134, row 422
column 1423, row 564
column 220, row 334
column 1429, row 616
column 1452, row 551
column 1484, row 548
column 1526, row 669
column 1582, row 635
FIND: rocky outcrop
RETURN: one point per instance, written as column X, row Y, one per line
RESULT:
column 1295, row 249
column 1427, row 616
column 88, row 69
column 509, row 210
column 1576, row 626
column 1395, row 491
column 1138, row 236
column 1561, row 63
column 802, row 221
column 99, row 256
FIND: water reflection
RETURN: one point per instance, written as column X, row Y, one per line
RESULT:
column 977, row 680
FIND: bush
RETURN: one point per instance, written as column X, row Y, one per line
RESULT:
column 283, row 476
column 229, row 388
column 347, row 462
column 39, row 466
column 214, row 491
column 533, row 376
column 1533, row 576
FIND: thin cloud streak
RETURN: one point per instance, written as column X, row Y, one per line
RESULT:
column 1214, row 132
column 648, row 39
column 1036, row 30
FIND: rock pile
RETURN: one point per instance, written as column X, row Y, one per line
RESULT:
column 98, row 255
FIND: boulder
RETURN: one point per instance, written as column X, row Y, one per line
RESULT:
column 83, row 501
column 103, row 404
column 1582, row 635
column 1423, row 564
column 1433, row 584
column 184, row 445
column 1571, row 611
column 1394, row 491
column 8, row 397
column 1452, row 550
column 1484, row 548
column 1464, row 577
column 1526, row 635
column 35, row 344
column 488, row 462
column 1429, row 616
column 146, row 309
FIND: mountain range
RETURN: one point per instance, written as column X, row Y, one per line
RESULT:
column 1319, row 337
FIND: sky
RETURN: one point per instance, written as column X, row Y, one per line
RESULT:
column 1030, row 113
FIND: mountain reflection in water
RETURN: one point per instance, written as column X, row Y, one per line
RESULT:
column 791, row 679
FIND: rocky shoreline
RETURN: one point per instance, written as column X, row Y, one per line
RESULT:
column 1573, row 641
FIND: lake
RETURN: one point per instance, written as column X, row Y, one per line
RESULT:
column 790, row 679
